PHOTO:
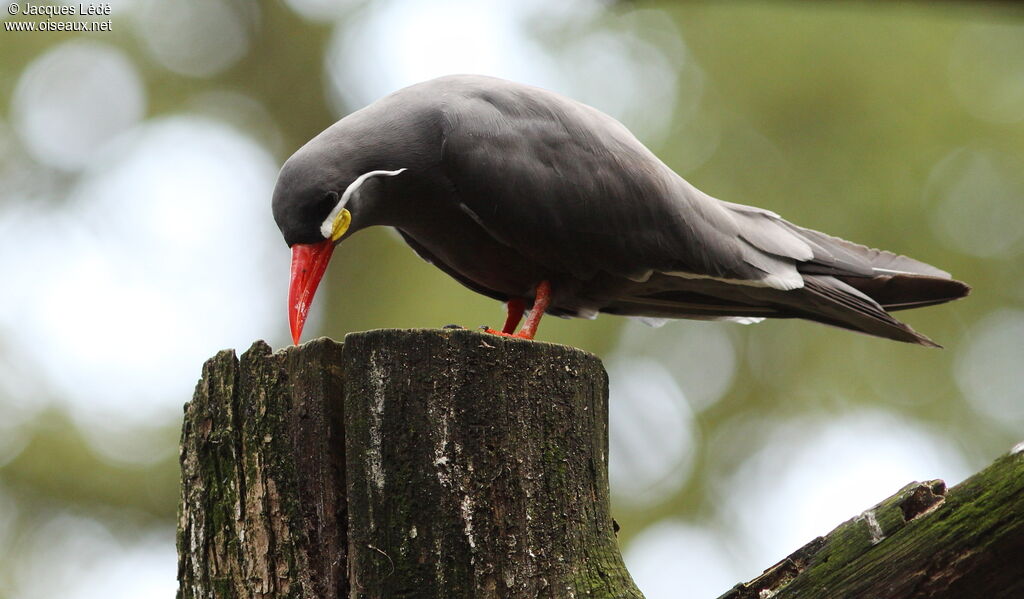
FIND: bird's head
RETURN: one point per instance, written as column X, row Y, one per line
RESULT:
column 315, row 204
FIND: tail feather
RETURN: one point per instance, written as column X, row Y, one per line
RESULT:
column 831, row 301
column 854, row 303
column 902, row 292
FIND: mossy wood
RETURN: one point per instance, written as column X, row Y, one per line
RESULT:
column 262, row 477
column 424, row 464
column 924, row 542
column 405, row 464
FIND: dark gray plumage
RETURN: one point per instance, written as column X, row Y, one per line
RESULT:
column 506, row 185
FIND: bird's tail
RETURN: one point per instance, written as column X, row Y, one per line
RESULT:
column 845, row 284
column 902, row 292
column 862, row 304
column 855, row 287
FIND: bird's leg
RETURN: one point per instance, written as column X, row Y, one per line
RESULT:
column 515, row 308
column 541, row 301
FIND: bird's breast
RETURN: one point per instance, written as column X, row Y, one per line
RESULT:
column 457, row 244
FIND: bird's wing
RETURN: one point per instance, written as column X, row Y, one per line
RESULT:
column 570, row 188
column 829, row 255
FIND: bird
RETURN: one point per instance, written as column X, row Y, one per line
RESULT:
column 551, row 206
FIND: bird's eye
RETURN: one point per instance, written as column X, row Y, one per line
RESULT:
column 329, row 201
column 325, row 207
column 338, row 219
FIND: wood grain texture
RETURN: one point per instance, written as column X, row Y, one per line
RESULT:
column 262, row 511
column 404, row 463
column 478, row 468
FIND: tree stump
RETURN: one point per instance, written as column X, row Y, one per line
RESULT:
column 418, row 464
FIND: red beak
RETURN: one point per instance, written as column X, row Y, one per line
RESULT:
column 309, row 261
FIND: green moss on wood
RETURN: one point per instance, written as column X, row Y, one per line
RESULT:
column 494, row 448
column 473, row 467
column 964, row 543
column 245, row 529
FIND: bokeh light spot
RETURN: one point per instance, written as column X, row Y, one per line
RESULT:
column 652, row 434
column 990, row 368
column 77, row 558
column 199, row 38
column 672, row 559
column 979, row 209
column 73, row 99
column 700, row 355
column 164, row 255
column 615, row 68
column 986, row 70
column 814, row 474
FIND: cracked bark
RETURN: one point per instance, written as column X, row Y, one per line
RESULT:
column 420, row 464
column 262, row 477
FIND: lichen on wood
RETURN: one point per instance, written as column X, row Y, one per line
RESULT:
column 417, row 463
column 261, row 459
column 478, row 468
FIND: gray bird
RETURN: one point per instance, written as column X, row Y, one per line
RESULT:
column 534, row 199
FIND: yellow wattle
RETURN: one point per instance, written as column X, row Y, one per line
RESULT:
column 341, row 223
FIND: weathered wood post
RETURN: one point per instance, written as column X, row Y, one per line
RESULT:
column 418, row 464
column 262, row 476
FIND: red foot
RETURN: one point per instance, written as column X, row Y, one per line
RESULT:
column 516, row 307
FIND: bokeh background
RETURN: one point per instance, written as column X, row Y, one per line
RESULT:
column 136, row 169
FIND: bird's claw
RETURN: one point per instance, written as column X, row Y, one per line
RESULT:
column 519, row 335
